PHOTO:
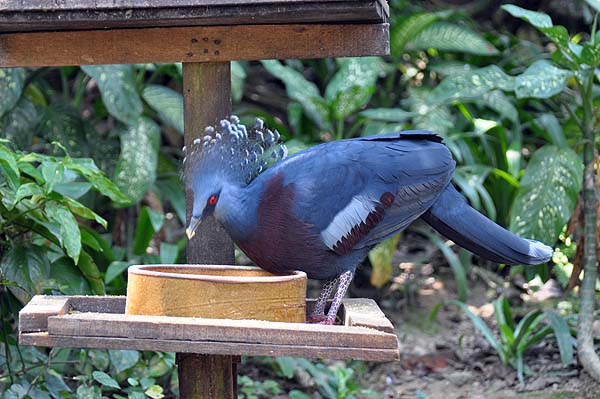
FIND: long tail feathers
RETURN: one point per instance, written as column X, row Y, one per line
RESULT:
column 455, row 219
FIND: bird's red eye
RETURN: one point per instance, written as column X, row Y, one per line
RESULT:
column 212, row 200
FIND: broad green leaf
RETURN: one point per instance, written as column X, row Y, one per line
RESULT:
column 537, row 19
column 136, row 168
column 352, row 86
column 458, row 268
column 541, row 80
column 53, row 173
column 168, row 253
column 55, row 384
column 117, row 87
column 114, row 270
column 11, row 87
column 85, row 212
column 287, row 366
column 472, row 84
column 19, row 124
column 70, row 236
column 155, row 392
column 73, row 189
column 27, row 190
column 105, row 380
column 590, row 54
column 448, row 68
column 547, row 194
column 446, row 36
column 88, row 239
column 238, row 76
column 88, row 169
column 122, row 360
column 387, row 114
column 28, row 267
column 167, row 103
column 9, row 167
column 551, row 129
column 301, row 90
column 500, row 103
column 407, row 28
column 434, row 117
column 88, row 392
column 61, row 122
column 90, row 270
column 381, row 259
column 149, row 222
column 68, row 277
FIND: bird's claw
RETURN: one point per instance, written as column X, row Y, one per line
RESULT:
column 316, row 319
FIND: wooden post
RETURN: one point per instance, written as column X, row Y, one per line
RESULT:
column 207, row 99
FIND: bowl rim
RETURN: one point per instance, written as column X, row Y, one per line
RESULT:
column 147, row 270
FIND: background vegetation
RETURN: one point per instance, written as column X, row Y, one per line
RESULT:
column 90, row 173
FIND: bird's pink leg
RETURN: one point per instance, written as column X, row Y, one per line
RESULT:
column 318, row 313
column 344, row 282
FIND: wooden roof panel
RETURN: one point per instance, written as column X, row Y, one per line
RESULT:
column 45, row 15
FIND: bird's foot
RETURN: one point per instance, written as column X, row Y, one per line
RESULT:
column 316, row 318
column 327, row 321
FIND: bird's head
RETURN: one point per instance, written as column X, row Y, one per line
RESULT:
column 228, row 154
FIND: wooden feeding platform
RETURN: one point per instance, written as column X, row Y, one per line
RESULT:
column 101, row 322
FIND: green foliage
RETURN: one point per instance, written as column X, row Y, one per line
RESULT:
column 445, row 36
column 540, row 211
column 516, row 338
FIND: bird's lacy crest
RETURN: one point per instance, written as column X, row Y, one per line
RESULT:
column 239, row 152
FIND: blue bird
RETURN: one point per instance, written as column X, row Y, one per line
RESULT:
column 322, row 209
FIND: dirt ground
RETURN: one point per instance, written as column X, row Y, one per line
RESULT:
column 448, row 358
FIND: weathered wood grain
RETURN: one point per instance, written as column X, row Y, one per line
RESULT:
column 51, row 15
column 217, row 374
column 206, row 100
column 218, row 348
column 193, row 44
column 364, row 312
column 225, row 330
column 34, row 316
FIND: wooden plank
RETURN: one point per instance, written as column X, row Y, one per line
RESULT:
column 34, row 316
column 218, row 348
column 99, row 304
column 364, row 312
column 201, row 329
column 50, row 15
column 192, row 44
column 206, row 100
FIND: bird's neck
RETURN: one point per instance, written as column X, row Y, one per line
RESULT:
column 238, row 209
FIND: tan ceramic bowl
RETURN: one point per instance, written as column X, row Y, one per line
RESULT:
column 214, row 291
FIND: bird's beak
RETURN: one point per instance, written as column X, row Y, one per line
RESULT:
column 191, row 229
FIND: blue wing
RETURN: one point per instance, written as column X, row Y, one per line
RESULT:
column 358, row 192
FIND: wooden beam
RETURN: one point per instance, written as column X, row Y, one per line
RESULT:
column 50, row 15
column 206, row 99
column 218, row 348
column 225, row 330
column 34, row 316
column 192, row 44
